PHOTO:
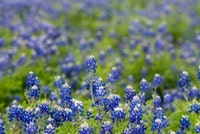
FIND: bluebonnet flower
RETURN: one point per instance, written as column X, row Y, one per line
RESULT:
column 159, row 45
column 172, row 51
column 32, row 80
column 111, row 102
column 15, row 112
column 49, row 129
column 184, row 81
column 50, row 121
column 88, row 113
column 27, row 115
column 138, row 129
column 17, row 98
column 194, row 93
column 101, row 58
column 99, row 90
column 168, row 102
column 198, row 73
column 144, row 72
column 127, row 130
column 134, row 129
column 58, row 82
column 148, row 60
column 159, row 120
column 53, row 96
column 129, row 93
column 90, row 64
column 2, row 127
column 106, row 128
column 76, row 107
column 161, row 28
column 61, row 115
column 135, row 114
column 156, row 101
column 45, row 90
column 44, row 108
column 98, row 117
column 82, row 45
column 136, row 55
column 197, row 128
column 20, row 61
column 158, row 112
column 179, row 132
column 31, row 128
column 109, row 50
column 33, row 93
column 85, row 129
column 130, row 79
column 144, row 86
column 65, row 94
column 69, row 58
column 113, row 76
column 146, row 47
column 142, row 97
column 113, row 35
column 2, row 42
column 118, row 65
column 99, row 36
column 69, row 69
column 131, row 29
column 91, row 43
column 135, row 101
column 195, row 107
column 184, row 123
column 157, row 81
column 118, row 114
column 159, row 123
column 132, row 44
column 197, row 38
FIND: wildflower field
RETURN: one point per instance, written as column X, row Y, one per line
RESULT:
column 100, row 67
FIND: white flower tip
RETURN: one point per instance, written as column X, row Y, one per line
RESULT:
column 31, row 72
column 129, row 87
column 34, row 87
column 66, row 85
column 85, row 124
column 144, row 80
column 185, row 73
column 91, row 56
column 158, row 120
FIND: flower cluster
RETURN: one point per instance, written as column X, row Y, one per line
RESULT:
column 159, row 121
column 144, row 86
column 157, row 81
column 32, row 87
column 90, row 64
column 85, row 129
column 61, row 108
column 113, row 76
column 68, row 38
column 184, row 123
column 184, row 81
column 2, row 128
column 106, row 128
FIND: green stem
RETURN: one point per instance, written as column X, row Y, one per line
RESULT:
column 91, row 90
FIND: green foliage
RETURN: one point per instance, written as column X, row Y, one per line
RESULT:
column 178, row 25
column 7, row 35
